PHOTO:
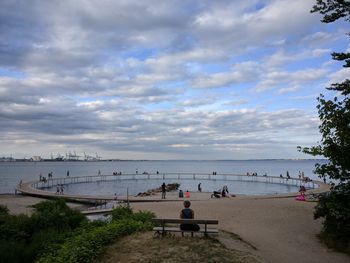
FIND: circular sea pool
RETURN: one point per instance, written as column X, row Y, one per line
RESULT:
column 135, row 186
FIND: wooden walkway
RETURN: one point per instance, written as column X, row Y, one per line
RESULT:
column 27, row 189
column 33, row 188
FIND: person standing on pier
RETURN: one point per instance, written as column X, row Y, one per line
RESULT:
column 199, row 187
column 288, row 176
column 68, row 173
column 163, row 190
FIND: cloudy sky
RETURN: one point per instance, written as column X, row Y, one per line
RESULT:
column 159, row 79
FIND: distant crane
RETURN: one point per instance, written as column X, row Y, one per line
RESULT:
column 91, row 158
column 72, row 156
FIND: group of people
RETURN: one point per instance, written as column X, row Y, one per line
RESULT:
column 224, row 192
column 221, row 192
column 60, row 189
column 187, row 194
column 287, row 175
column 43, row 178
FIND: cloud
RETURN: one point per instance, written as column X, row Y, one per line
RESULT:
column 155, row 78
column 275, row 79
column 339, row 76
column 288, row 90
column 239, row 73
column 238, row 25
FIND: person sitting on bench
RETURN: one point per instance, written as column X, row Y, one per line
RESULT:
column 188, row 213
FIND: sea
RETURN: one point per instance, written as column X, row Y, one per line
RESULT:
column 12, row 172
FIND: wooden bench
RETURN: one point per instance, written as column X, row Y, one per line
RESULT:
column 163, row 229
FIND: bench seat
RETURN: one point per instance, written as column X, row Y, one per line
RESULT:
column 163, row 229
column 177, row 229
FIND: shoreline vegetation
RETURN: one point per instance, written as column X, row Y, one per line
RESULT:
column 56, row 233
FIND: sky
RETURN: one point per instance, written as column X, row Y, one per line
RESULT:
column 156, row 79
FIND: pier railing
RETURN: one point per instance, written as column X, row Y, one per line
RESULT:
column 309, row 184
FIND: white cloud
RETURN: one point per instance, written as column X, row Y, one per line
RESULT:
column 275, row 79
column 288, row 90
column 157, row 77
column 239, row 73
column 339, row 76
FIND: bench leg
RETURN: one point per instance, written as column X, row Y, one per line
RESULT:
column 182, row 234
column 191, row 234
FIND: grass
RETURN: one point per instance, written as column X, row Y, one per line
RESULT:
column 145, row 247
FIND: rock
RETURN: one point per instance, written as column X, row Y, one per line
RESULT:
column 169, row 188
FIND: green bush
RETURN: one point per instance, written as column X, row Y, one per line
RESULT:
column 335, row 208
column 143, row 216
column 14, row 227
column 23, row 238
column 122, row 212
column 55, row 214
column 125, row 212
column 4, row 210
column 86, row 246
column 56, row 233
column 16, row 251
column 88, row 241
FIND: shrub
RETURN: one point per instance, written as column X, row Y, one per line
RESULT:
column 23, row 238
column 55, row 214
column 4, row 210
column 86, row 246
column 125, row 212
column 143, row 216
column 334, row 207
column 122, row 212
column 88, row 242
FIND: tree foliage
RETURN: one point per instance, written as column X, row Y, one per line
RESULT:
column 23, row 238
column 334, row 115
column 332, row 9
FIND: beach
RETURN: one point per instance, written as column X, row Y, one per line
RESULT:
column 280, row 228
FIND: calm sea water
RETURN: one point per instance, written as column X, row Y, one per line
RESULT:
column 12, row 172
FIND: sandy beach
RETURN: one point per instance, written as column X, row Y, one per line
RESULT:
column 282, row 229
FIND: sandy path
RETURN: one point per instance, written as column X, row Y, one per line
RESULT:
column 20, row 204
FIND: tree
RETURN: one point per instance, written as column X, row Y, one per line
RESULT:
column 334, row 115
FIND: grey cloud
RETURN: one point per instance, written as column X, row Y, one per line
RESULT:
column 235, row 27
column 161, row 131
column 114, row 75
column 275, row 79
column 240, row 73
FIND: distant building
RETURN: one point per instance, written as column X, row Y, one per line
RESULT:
column 7, row 159
column 36, row 158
